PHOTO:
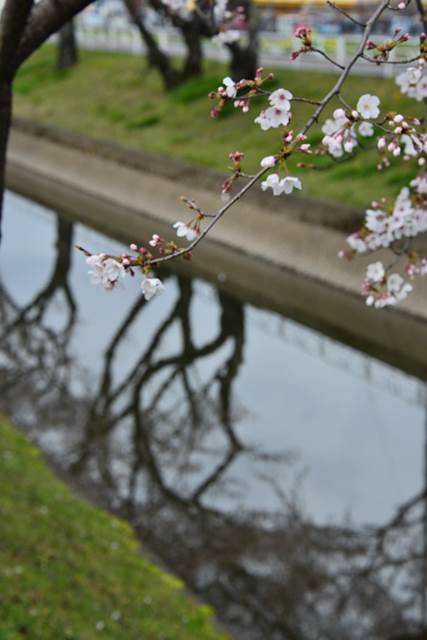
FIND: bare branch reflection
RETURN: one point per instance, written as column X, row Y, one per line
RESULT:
column 160, row 437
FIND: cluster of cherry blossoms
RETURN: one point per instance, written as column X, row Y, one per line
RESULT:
column 277, row 115
column 382, row 289
column 108, row 271
column 392, row 227
column 340, row 130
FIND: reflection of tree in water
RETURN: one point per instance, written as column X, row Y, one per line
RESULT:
column 35, row 360
column 158, row 441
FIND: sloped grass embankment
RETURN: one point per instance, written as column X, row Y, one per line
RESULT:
column 69, row 570
column 115, row 96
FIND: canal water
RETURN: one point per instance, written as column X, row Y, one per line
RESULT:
column 280, row 473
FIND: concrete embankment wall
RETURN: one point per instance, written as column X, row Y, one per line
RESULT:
column 268, row 252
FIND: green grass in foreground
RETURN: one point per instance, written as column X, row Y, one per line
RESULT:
column 70, row 571
column 114, row 96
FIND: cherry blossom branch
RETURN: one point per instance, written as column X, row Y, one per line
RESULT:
column 212, row 223
column 314, row 118
column 344, row 75
column 341, row 131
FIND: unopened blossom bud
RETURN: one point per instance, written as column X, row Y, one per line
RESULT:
column 339, row 113
column 125, row 262
column 305, row 148
column 300, row 137
column 421, row 161
column 155, row 240
column 355, row 114
column 398, row 130
column 401, row 6
column 381, row 143
column 398, row 118
column 133, row 247
column 423, row 39
column 236, row 156
column 268, row 161
column 396, row 152
column 214, row 113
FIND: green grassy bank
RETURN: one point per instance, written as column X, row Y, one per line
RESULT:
column 70, row 571
column 114, row 96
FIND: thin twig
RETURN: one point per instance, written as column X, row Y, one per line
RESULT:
column 306, row 100
column 328, row 58
column 368, row 59
column 347, row 15
column 213, row 222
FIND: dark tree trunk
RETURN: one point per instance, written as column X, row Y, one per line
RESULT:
column 67, row 53
column 24, row 26
column 5, row 122
column 156, row 57
column 243, row 62
column 244, row 58
column 192, row 66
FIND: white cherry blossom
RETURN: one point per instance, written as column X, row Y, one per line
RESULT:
column 184, row 231
column 151, row 286
column 105, row 271
column 290, row 183
column 281, row 98
column 357, row 243
column 368, row 106
column 279, row 186
column 375, row 272
column 230, row 87
column 366, row 129
column 273, row 117
column 273, row 181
